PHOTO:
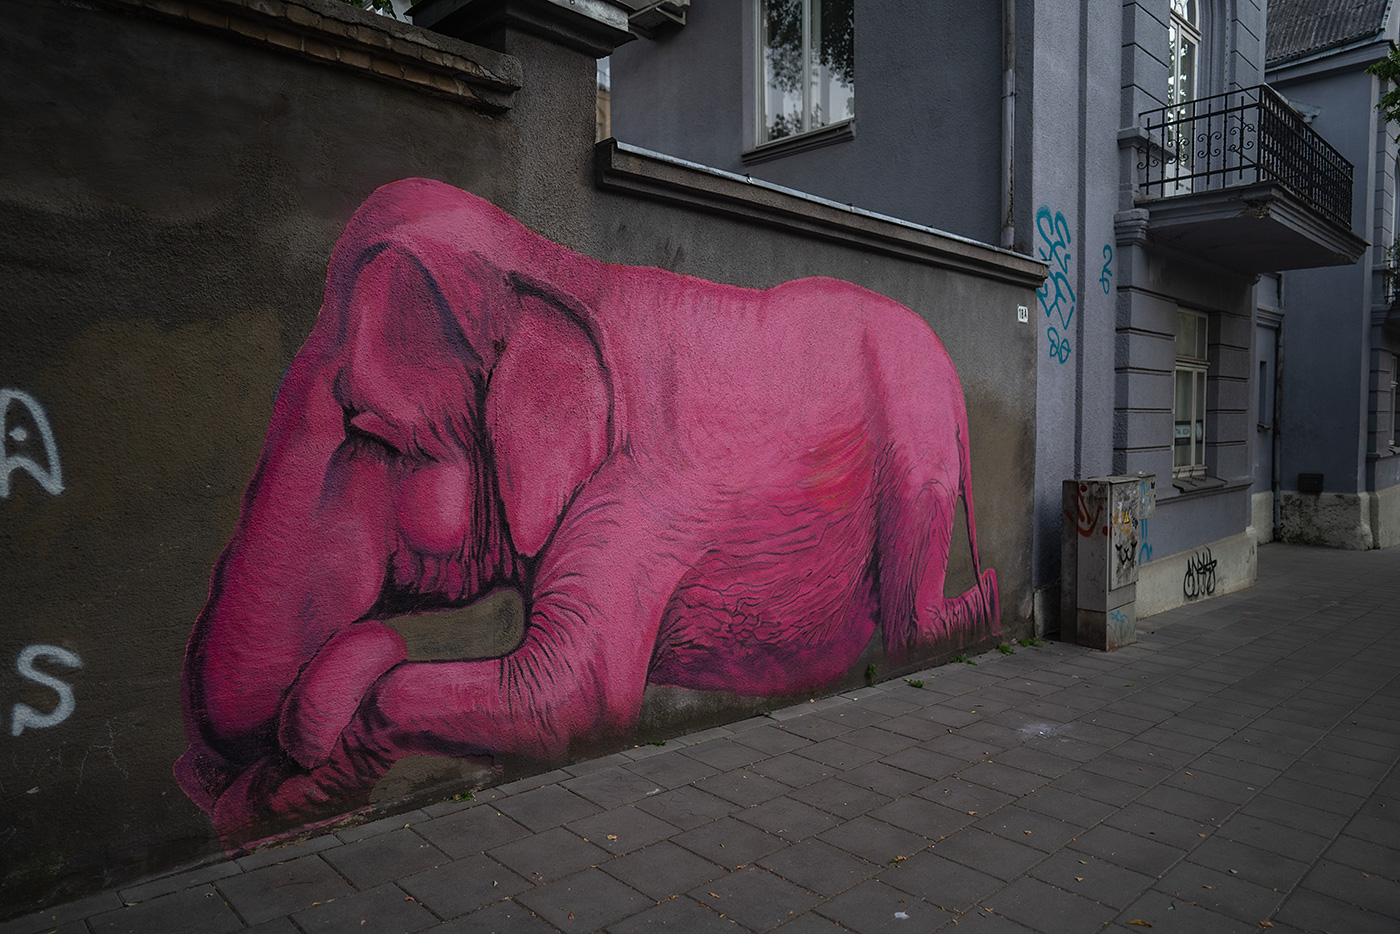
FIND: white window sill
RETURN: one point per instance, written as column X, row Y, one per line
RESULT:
column 1197, row 484
column 802, row 142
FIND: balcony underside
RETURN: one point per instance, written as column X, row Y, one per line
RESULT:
column 1253, row 229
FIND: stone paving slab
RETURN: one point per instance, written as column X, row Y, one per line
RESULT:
column 1237, row 765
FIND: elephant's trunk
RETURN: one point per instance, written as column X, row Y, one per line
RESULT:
column 299, row 570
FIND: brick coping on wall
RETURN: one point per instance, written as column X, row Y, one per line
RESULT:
column 337, row 34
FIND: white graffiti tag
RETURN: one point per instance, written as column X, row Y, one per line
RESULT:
column 14, row 439
column 26, row 716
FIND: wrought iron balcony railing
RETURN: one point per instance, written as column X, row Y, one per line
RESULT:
column 1239, row 138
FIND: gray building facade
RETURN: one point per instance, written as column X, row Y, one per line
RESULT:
column 1339, row 466
column 1129, row 146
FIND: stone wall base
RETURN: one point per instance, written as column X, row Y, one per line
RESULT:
column 1355, row 521
column 1211, row 570
column 1262, row 517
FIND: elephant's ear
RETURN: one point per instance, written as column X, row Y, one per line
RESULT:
column 548, row 414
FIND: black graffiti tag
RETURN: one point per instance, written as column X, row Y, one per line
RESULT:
column 1200, row 575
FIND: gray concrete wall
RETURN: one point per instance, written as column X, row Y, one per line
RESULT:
column 170, row 193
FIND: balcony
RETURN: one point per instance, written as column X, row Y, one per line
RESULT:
column 1242, row 181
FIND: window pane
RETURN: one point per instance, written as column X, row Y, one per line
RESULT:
column 808, row 65
column 783, row 68
column 1200, row 393
column 1395, row 399
column 834, row 29
column 1185, row 334
column 1181, row 440
column 1186, row 70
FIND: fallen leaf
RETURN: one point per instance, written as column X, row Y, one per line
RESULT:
column 1078, row 878
column 972, row 813
column 1207, row 886
column 1140, row 923
column 1234, row 872
column 1266, row 924
column 612, row 836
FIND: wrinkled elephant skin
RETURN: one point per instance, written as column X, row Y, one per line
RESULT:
column 690, row 484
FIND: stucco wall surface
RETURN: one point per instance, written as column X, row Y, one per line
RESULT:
column 170, row 196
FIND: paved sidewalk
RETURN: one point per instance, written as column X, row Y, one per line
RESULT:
column 1235, row 768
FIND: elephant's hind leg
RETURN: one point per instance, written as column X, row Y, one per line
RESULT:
column 914, row 541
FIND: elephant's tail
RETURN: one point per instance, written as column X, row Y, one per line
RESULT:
column 965, row 488
column 986, row 586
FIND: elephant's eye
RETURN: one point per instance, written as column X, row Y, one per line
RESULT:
column 371, row 427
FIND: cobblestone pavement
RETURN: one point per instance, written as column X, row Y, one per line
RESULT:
column 1235, row 770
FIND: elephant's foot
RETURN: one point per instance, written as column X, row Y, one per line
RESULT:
column 322, row 702
column 968, row 616
column 977, row 612
column 275, row 793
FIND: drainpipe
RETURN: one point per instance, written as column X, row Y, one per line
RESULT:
column 1276, row 479
column 1008, row 121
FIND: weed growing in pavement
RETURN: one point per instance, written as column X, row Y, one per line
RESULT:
column 912, row 683
column 1031, row 643
column 1006, row 649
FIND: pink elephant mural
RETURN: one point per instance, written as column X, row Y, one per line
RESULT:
column 689, row 484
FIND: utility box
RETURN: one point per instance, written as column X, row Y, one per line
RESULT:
column 1099, row 543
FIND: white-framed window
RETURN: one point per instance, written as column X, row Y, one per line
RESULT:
column 1189, row 407
column 1184, row 37
column 1394, row 419
column 806, row 66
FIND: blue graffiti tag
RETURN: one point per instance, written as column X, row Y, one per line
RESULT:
column 1057, row 294
column 1107, row 275
column 1119, row 628
column 1144, row 550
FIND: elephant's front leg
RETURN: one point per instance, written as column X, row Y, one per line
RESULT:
column 581, row 669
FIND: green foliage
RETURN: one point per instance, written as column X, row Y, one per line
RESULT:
column 1388, row 69
column 965, row 660
column 1031, row 643
column 871, row 675
column 912, row 683
column 379, row 6
column 1006, row 649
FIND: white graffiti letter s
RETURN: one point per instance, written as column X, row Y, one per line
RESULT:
column 49, row 474
column 24, row 715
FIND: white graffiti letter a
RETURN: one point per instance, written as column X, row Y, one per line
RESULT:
column 50, row 476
